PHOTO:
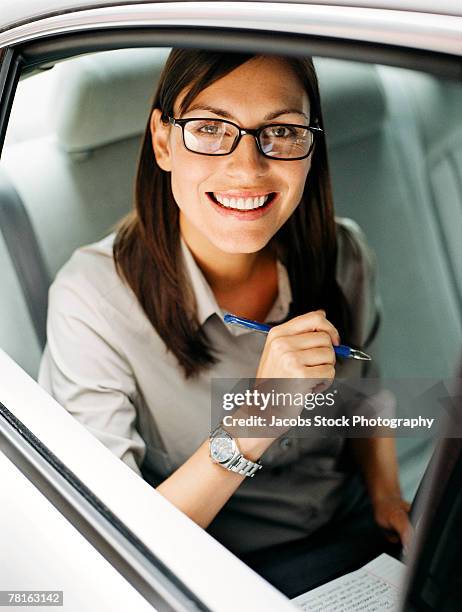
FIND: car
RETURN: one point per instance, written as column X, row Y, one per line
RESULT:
column 78, row 524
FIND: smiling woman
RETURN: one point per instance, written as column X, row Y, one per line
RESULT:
column 233, row 251
column 233, row 211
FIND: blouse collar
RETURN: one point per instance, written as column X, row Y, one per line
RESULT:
column 206, row 302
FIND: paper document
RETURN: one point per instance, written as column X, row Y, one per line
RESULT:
column 373, row 588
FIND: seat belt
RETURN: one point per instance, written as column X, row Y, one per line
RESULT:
column 26, row 256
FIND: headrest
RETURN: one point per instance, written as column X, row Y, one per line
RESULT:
column 105, row 97
column 352, row 97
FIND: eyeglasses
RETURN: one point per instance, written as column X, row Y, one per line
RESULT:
column 284, row 141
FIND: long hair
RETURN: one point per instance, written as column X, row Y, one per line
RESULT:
column 147, row 248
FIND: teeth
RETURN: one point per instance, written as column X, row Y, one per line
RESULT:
column 242, row 203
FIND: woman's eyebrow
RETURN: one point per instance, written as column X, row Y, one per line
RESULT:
column 224, row 113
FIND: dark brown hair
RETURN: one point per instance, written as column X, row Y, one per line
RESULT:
column 147, row 249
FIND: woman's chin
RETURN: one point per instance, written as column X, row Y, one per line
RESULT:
column 240, row 244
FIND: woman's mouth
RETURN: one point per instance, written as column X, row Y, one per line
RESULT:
column 242, row 208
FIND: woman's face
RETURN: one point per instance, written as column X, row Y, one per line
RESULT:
column 259, row 88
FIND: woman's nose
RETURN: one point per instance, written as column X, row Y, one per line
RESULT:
column 247, row 157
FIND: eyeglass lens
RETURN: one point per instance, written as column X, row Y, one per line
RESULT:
column 215, row 137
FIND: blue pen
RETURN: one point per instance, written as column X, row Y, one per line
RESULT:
column 341, row 350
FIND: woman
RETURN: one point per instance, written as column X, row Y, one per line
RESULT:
column 135, row 322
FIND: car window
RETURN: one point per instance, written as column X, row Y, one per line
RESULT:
column 394, row 145
column 394, row 153
column 409, row 115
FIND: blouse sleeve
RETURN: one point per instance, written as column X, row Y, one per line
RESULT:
column 85, row 371
column 356, row 275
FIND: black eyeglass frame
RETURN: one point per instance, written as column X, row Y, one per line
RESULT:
column 314, row 129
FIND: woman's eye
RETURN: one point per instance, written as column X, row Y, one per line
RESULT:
column 211, row 129
column 208, row 129
column 282, row 131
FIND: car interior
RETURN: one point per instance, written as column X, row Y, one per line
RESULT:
column 395, row 151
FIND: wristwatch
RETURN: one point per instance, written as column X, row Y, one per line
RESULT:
column 225, row 451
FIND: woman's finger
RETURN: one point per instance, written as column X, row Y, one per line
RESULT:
column 314, row 321
column 317, row 356
column 400, row 522
column 303, row 341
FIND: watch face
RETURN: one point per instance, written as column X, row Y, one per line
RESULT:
column 221, row 449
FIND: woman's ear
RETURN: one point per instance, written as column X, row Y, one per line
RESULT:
column 160, row 141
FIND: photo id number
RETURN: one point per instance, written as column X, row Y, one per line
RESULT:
column 31, row 598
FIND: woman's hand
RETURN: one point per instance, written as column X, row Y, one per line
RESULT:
column 392, row 514
column 300, row 348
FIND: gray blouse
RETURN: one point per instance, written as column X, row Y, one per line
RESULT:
column 105, row 363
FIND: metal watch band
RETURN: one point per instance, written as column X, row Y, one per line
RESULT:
column 243, row 466
column 237, row 463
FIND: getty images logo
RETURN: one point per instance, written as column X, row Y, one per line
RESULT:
column 262, row 400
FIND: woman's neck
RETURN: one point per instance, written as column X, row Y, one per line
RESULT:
column 226, row 272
